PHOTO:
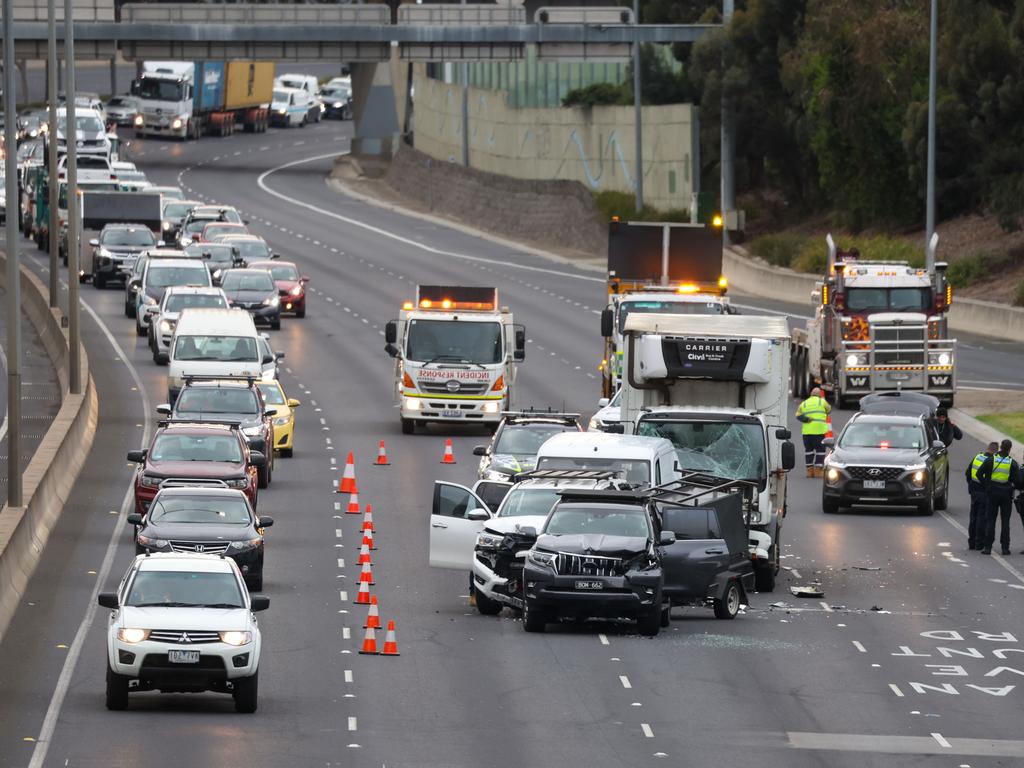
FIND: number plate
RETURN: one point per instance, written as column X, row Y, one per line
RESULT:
column 183, row 657
column 899, row 376
column 589, row 584
column 451, row 414
column 874, row 485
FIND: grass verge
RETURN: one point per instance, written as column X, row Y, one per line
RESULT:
column 1011, row 424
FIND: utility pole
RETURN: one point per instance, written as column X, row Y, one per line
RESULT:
column 71, row 141
column 464, row 70
column 638, row 112
column 930, row 192
column 14, row 495
column 53, row 186
column 728, row 148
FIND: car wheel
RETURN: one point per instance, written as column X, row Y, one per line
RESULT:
column 649, row 624
column 408, row 426
column 829, row 506
column 117, row 691
column 286, row 453
column 128, row 310
column 728, row 606
column 927, row 507
column 99, row 282
column 246, row 693
column 275, row 325
column 263, row 477
column 486, row 605
column 666, row 616
column 533, row 619
column 140, row 330
column 943, row 501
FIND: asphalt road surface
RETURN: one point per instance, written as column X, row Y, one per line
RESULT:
column 912, row 657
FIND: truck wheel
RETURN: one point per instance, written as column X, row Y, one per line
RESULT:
column 728, row 606
column 533, row 619
column 117, row 691
column 408, row 426
column 649, row 624
column 485, row 605
column 246, row 693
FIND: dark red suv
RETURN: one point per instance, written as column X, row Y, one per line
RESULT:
column 195, row 451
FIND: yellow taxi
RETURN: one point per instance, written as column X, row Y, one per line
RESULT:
column 284, row 419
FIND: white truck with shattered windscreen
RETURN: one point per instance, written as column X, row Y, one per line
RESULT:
column 718, row 387
column 455, row 352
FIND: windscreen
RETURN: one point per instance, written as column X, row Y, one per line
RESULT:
column 215, row 447
column 223, row 229
column 280, row 97
column 217, row 510
column 163, row 277
column 528, row 501
column 526, row 440
column 888, row 299
column 251, row 250
column 141, row 237
column 285, row 272
column 876, row 434
column 179, row 301
column 193, row 589
column 733, row 450
column 240, row 349
column 620, row 520
column 216, row 400
column 632, row 470
column 218, row 254
column 83, row 123
column 272, row 393
column 213, row 213
column 236, row 280
column 447, row 341
column 160, row 90
column 177, row 211
column 668, row 308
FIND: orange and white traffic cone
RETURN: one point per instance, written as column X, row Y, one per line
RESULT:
column 368, row 519
column 369, row 643
column 828, row 421
column 373, row 617
column 449, row 454
column 353, row 504
column 368, row 540
column 364, row 554
column 363, row 595
column 347, row 484
column 366, row 575
column 390, row 643
column 382, row 456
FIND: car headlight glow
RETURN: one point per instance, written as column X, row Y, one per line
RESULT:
column 492, row 407
column 854, row 359
column 832, row 475
column 177, row 123
column 919, row 477
column 545, row 559
column 337, row 105
column 236, row 638
column 138, row 120
column 166, row 225
column 595, row 424
column 488, row 540
column 412, row 404
column 282, row 421
column 273, row 301
column 252, row 431
column 132, row 635
column 165, row 326
column 282, row 111
column 296, row 291
column 940, row 358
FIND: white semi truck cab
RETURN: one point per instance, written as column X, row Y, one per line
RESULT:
column 718, row 388
column 455, row 352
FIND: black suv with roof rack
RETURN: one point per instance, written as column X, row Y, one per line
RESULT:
column 519, row 436
column 635, row 554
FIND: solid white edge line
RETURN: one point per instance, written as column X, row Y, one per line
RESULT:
column 42, row 744
column 998, row 558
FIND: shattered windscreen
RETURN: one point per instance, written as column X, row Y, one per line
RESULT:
column 727, row 449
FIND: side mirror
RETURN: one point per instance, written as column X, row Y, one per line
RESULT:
column 134, row 282
column 666, row 538
column 137, row 456
column 607, row 322
column 259, row 603
column 615, row 429
column 520, row 350
column 528, row 532
column 480, row 450
column 783, row 434
column 270, row 412
column 938, row 445
column 788, row 456
column 94, row 243
column 828, row 442
column 279, row 355
column 134, row 519
column 275, row 255
column 391, row 349
column 257, row 459
column 268, row 359
column 305, row 279
column 391, row 332
column 264, row 522
column 107, row 600
column 603, row 402
column 293, row 403
column 478, row 515
column 164, row 409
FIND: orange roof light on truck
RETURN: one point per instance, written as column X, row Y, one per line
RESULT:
column 446, row 298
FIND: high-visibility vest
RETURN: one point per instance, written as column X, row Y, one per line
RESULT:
column 816, row 410
column 1001, row 466
column 976, row 464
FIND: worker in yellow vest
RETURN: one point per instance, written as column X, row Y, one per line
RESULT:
column 979, row 501
column 1000, row 475
column 812, row 414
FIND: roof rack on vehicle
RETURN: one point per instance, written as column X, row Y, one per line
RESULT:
column 192, row 482
column 200, row 377
column 231, row 423
column 567, row 474
column 694, row 485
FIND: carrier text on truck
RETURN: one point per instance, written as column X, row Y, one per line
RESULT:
column 718, row 387
column 455, row 356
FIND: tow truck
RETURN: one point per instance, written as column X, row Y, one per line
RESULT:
column 663, row 268
column 878, row 326
column 455, row 350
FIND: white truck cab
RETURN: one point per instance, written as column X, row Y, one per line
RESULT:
column 455, row 352
column 638, row 460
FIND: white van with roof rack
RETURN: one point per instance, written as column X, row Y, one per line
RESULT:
column 213, row 342
column 640, row 460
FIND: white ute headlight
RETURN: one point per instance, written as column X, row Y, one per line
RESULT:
column 236, row 638
column 488, row 540
column 131, row 635
column 412, row 404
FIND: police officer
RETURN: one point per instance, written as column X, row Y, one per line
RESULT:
column 999, row 474
column 948, row 431
column 813, row 413
column 978, row 501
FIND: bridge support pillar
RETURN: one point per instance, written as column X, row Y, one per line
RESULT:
column 375, row 117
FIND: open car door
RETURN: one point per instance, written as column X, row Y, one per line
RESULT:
column 452, row 532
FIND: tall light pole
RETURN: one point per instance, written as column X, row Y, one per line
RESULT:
column 53, row 186
column 71, row 141
column 14, row 495
column 728, row 146
column 638, row 112
column 930, row 192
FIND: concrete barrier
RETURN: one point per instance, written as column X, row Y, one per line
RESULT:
column 757, row 277
column 54, row 468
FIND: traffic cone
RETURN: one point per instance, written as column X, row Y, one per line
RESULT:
column 364, row 555
column 390, row 643
column 363, row 595
column 368, row 540
column 347, row 484
column 370, row 642
column 382, row 456
column 828, row 421
column 373, row 617
column 353, row 504
column 449, row 454
column 366, row 575
column 368, row 519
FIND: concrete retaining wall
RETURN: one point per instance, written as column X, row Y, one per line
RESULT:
column 54, row 468
column 752, row 275
column 594, row 146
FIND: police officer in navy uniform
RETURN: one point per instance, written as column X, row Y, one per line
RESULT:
column 978, row 501
column 1000, row 474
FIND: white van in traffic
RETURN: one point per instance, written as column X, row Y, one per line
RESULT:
column 213, row 342
column 641, row 460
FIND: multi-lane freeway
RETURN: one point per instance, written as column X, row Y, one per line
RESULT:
column 912, row 657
